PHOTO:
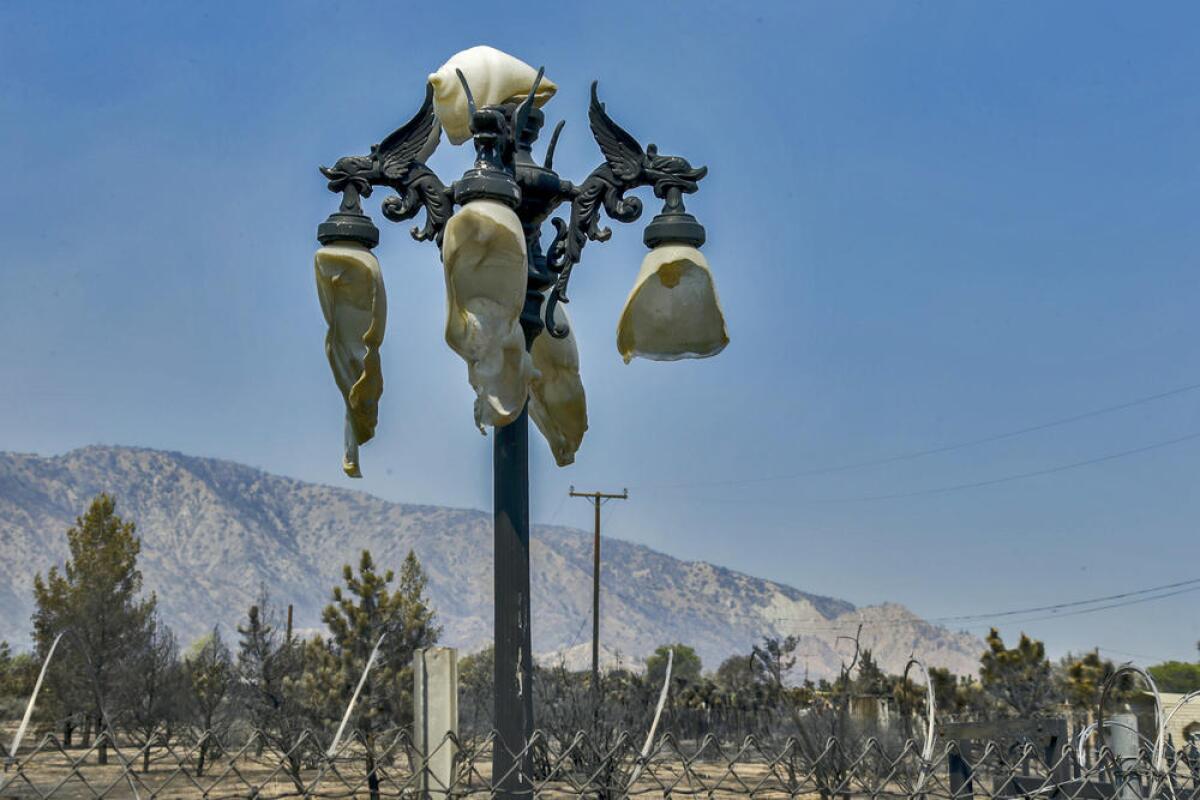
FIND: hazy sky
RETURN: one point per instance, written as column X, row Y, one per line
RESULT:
column 930, row 223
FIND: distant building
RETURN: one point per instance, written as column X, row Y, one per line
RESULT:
column 1184, row 726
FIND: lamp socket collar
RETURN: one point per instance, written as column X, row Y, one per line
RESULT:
column 487, row 184
column 348, row 227
column 674, row 227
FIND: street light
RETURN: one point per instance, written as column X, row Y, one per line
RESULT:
column 503, row 291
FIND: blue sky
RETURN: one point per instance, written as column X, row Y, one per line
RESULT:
column 929, row 223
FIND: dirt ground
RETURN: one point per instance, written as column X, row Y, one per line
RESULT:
column 75, row 774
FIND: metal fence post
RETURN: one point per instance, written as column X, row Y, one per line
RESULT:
column 435, row 718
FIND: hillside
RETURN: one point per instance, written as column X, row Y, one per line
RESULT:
column 214, row 531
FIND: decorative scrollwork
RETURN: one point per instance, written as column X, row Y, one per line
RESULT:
column 626, row 166
column 423, row 190
column 398, row 162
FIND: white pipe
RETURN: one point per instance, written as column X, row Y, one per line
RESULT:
column 354, row 699
column 927, row 750
column 662, row 700
column 37, row 687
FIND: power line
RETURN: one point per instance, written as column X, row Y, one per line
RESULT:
column 1121, row 604
column 909, row 622
column 914, row 454
column 1134, row 655
column 973, row 484
column 1022, row 475
column 608, row 512
column 1072, row 604
column 579, row 631
column 1124, row 599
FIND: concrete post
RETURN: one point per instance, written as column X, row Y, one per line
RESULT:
column 435, row 714
column 1123, row 739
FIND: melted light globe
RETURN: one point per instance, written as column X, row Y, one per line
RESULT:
column 483, row 253
column 673, row 311
column 350, row 288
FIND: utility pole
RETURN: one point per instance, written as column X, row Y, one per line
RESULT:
column 597, row 499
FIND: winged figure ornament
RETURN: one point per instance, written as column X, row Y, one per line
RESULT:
column 398, row 162
column 626, row 166
column 632, row 166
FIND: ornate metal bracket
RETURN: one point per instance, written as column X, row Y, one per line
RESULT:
column 397, row 162
column 499, row 134
column 626, row 166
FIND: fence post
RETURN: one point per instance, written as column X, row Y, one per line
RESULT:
column 1057, row 738
column 435, row 716
column 1123, row 739
column 962, row 784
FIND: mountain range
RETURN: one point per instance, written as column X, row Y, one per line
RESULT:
column 214, row 533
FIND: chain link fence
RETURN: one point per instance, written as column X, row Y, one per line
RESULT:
column 389, row 765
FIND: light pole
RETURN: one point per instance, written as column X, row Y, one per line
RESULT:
column 500, row 280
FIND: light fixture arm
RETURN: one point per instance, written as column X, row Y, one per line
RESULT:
column 502, row 137
column 626, row 166
column 398, row 162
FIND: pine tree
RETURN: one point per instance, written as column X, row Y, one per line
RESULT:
column 871, row 680
column 17, row 676
column 476, row 689
column 209, row 670
column 260, row 689
column 268, row 670
column 156, row 681
column 363, row 611
column 94, row 602
column 774, row 660
column 6, row 670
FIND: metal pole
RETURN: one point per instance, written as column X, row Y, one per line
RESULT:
column 505, row 171
column 514, row 662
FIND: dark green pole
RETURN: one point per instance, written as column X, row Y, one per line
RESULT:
column 514, row 662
